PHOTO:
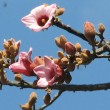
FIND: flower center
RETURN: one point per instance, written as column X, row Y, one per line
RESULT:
column 42, row 20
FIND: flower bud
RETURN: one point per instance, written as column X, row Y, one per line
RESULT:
column 60, row 41
column 87, row 52
column 101, row 28
column 56, row 61
column 26, row 107
column 59, row 11
column 6, row 45
column 60, row 54
column 64, row 61
column 78, row 61
column 32, row 99
column 68, row 78
column 47, row 99
column 11, row 41
column 70, row 48
column 84, row 56
column 89, row 32
column 38, row 60
column 6, row 53
column 78, row 47
column 63, row 41
column 71, row 67
column 30, row 103
column 18, row 77
column 57, row 41
column 12, row 49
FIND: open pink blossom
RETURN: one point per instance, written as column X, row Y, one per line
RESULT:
column 24, row 64
column 47, row 73
column 40, row 17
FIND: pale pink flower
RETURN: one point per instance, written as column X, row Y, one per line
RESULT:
column 24, row 64
column 47, row 73
column 40, row 17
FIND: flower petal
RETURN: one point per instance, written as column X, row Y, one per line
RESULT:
column 42, row 82
column 48, row 62
column 40, row 71
column 17, row 67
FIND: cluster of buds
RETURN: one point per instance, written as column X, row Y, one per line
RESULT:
column 71, row 56
column 10, row 51
column 90, row 33
column 11, row 48
column 31, row 102
column 73, row 52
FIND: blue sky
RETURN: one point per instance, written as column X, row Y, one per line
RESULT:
column 76, row 13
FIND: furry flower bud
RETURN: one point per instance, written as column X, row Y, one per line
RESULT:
column 78, row 47
column 60, row 41
column 47, row 99
column 70, row 48
column 101, row 28
column 60, row 54
column 89, row 32
column 18, row 77
column 59, row 11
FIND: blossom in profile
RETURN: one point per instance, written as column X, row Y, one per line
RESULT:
column 40, row 17
column 47, row 73
column 24, row 64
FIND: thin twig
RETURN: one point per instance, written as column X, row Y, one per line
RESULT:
column 53, row 100
column 102, row 56
column 70, row 30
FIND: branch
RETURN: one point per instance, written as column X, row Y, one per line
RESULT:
column 70, row 30
column 55, row 97
column 104, row 48
column 65, row 87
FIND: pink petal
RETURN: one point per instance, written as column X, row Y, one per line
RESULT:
column 57, row 70
column 37, row 12
column 17, row 67
column 41, row 71
column 29, row 55
column 48, row 62
column 51, row 9
column 42, row 82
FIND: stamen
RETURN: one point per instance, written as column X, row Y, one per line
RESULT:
column 42, row 20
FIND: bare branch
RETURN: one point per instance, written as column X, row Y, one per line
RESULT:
column 69, row 29
column 65, row 87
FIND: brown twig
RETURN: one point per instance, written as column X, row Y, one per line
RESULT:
column 65, row 87
column 69, row 29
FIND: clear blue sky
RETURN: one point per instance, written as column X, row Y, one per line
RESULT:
column 77, row 12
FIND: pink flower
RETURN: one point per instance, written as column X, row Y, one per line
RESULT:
column 24, row 64
column 47, row 73
column 40, row 17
